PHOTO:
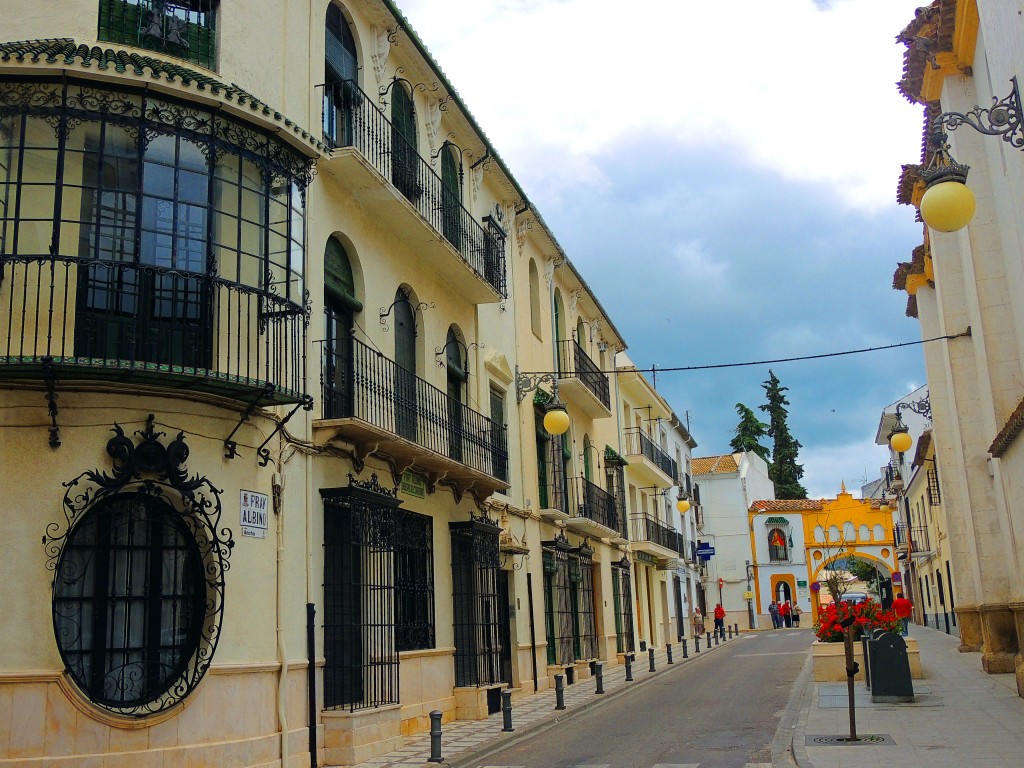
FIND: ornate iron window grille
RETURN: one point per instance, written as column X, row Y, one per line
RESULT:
column 360, row 650
column 182, row 28
column 475, row 594
column 561, row 619
column 622, row 587
column 587, row 645
column 934, row 494
column 414, row 581
column 150, row 509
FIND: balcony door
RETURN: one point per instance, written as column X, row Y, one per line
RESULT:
column 404, row 155
column 340, row 305
column 457, row 377
column 145, row 296
column 451, row 197
column 405, row 367
column 341, row 70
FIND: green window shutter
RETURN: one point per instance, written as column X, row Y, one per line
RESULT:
column 338, row 280
column 403, row 116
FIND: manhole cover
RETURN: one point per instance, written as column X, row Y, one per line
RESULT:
column 870, row 739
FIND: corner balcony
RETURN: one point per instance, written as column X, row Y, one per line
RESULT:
column 913, row 540
column 653, row 537
column 373, row 162
column 67, row 319
column 582, row 382
column 647, row 462
column 593, row 511
column 382, row 409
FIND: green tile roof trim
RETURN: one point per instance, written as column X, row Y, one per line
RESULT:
column 776, row 521
column 611, row 455
column 64, row 51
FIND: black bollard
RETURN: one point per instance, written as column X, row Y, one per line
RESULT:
column 559, row 691
column 686, row 653
column 709, row 641
column 435, row 738
column 650, row 658
column 730, row 631
column 629, row 667
column 717, row 633
column 668, row 650
column 506, row 712
column 736, row 631
column 599, row 676
column 696, row 643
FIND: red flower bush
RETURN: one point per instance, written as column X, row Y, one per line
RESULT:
column 867, row 616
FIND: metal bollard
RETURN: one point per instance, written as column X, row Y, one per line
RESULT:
column 686, row 653
column 506, row 712
column 716, row 636
column 737, row 630
column 599, row 676
column 650, row 658
column 709, row 641
column 435, row 738
column 668, row 650
column 559, row 691
column 696, row 643
column 629, row 667
column 730, row 631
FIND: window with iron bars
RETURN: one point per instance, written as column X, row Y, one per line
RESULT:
column 561, row 622
column 587, row 645
column 623, row 598
column 476, row 598
column 184, row 29
column 414, row 582
column 934, row 495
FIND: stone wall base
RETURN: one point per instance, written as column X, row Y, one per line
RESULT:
column 351, row 738
column 969, row 619
column 999, row 632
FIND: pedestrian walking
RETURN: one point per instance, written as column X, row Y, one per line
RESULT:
column 796, row 615
column 698, row 623
column 719, row 618
column 773, row 611
column 784, row 615
column 902, row 607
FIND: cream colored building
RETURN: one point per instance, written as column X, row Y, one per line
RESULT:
column 962, row 54
column 278, row 333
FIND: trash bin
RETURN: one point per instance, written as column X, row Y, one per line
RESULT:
column 889, row 667
column 865, row 641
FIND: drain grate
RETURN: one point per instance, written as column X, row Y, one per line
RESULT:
column 867, row 740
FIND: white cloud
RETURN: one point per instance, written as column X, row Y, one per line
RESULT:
column 804, row 91
column 829, row 466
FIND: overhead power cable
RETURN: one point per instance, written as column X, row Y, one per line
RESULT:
column 659, row 369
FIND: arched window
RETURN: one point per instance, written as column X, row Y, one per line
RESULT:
column 340, row 305
column 535, row 300
column 849, row 533
column 819, row 534
column 833, row 533
column 581, row 335
column 864, row 533
column 404, row 154
column 560, row 332
column 778, row 549
column 405, row 366
column 129, row 602
column 878, row 533
column 451, row 196
column 456, row 371
column 341, row 72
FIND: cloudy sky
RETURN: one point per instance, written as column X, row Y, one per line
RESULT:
column 723, row 174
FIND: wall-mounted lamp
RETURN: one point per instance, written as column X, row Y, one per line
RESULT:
column 556, row 415
column 948, row 203
column 899, row 438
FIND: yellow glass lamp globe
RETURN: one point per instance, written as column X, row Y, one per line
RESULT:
column 901, row 442
column 556, row 421
column 884, row 508
column 683, row 506
column 947, row 206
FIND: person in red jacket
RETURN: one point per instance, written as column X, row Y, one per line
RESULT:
column 719, row 620
column 903, row 608
column 784, row 613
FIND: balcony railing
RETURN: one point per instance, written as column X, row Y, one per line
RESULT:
column 638, row 443
column 594, row 503
column 915, row 537
column 359, row 382
column 352, row 120
column 644, row 528
column 90, row 319
column 577, row 363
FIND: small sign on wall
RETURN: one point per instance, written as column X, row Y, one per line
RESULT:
column 254, row 514
column 413, row 485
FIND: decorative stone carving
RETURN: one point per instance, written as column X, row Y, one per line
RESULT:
column 380, row 50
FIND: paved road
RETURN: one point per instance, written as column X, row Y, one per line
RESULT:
column 720, row 713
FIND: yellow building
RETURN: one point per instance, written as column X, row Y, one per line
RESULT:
column 278, row 334
column 796, row 542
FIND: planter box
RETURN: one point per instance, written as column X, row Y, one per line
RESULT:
column 830, row 661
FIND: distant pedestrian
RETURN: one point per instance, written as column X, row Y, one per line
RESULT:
column 773, row 611
column 903, row 608
column 719, row 619
column 796, row 615
column 698, row 622
column 784, row 615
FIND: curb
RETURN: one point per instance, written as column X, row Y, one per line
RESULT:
column 500, row 742
column 788, row 744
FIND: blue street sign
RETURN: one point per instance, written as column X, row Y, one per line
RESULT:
column 705, row 551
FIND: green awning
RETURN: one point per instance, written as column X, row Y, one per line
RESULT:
column 776, row 521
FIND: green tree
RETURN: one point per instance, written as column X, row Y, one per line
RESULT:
column 864, row 571
column 749, row 432
column 783, row 470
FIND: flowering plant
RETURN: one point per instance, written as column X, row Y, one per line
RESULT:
column 867, row 616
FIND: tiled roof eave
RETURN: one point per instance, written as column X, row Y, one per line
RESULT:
column 63, row 56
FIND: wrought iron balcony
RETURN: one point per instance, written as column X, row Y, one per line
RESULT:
column 914, row 538
column 88, row 319
column 181, row 28
column 370, row 399
column 593, row 510
column 640, row 445
column 582, row 381
column 650, row 535
column 352, row 120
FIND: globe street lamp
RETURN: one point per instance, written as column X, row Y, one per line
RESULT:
column 948, row 204
column 556, row 415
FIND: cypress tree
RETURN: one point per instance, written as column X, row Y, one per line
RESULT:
column 749, row 432
column 783, row 470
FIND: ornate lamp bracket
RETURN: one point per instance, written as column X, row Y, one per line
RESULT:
column 527, row 382
column 1003, row 118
